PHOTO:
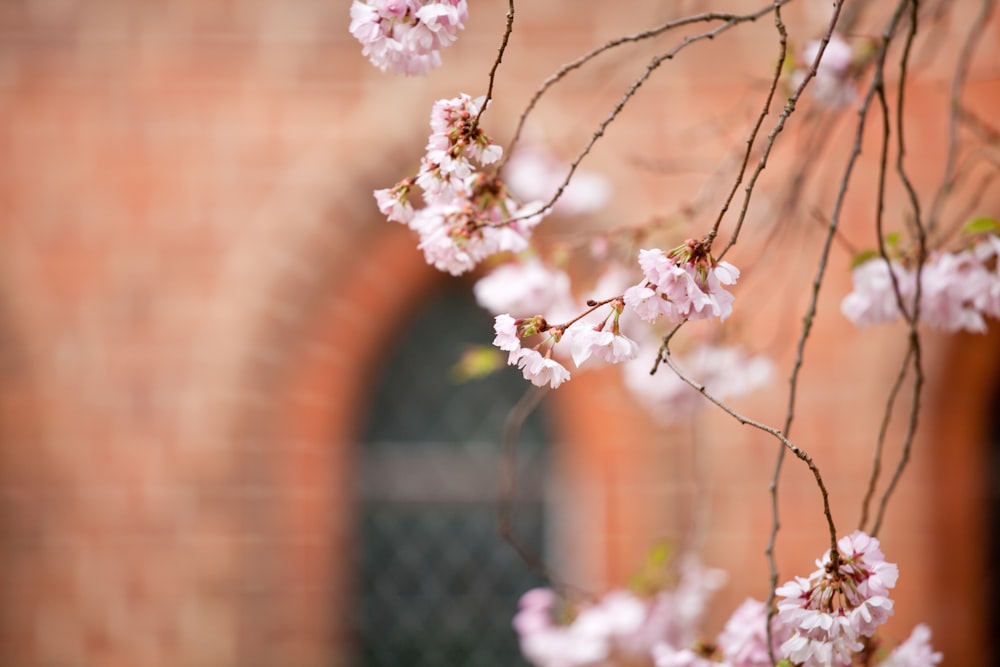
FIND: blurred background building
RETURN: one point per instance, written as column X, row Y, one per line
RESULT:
column 227, row 430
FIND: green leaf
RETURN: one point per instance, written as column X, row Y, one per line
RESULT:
column 477, row 362
column 892, row 239
column 981, row 225
column 660, row 554
column 863, row 257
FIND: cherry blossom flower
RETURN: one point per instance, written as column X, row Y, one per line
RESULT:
column 405, row 36
column 456, row 137
column 956, row 291
column 507, row 338
column 949, row 285
column 587, row 640
column 665, row 655
column 541, row 370
column 673, row 616
column 612, row 348
column 523, row 288
column 873, row 299
column 916, row 651
column 743, row 640
column 394, row 203
column 644, row 301
column 685, row 284
column 620, row 627
column 831, row 87
column 467, row 215
column 829, row 612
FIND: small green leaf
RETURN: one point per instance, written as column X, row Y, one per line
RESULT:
column 660, row 555
column 863, row 257
column 981, row 225
column 477, row 362
column 892, row 239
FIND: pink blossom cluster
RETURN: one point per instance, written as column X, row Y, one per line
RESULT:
column 686, row 284
column 821, row 621
column 832, row 86
column 467, row 215
column 831, row 611
column 916, row 651
column 540, row 369
column 743, row 641
column 604, row 341
column 405, row 36
column 957, row 290
column 527, row 286
column 622, row 627
column 523, row 288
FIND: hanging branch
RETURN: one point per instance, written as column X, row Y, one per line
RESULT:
column 913, row 353
column 976, row 28
column 781, row 437
column 508, row 29
column 706, row 17
column 730, row 22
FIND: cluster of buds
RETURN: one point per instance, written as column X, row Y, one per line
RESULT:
column 468, row 215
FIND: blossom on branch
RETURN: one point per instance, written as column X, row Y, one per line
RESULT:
column 540, row 369
column 622, row 627
column 836, row 606
column 958, row 290
column 686, row 284
column 612, row 347
column 916, row 651
column 522, row 288
column 589, row 638
column 743, row 641
column 874, row 300
column 468, row 215
column 405, row 36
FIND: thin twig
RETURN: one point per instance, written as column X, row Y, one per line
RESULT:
column 776, row 77
column 627, row 39
column 730, row 22
column 778, row 126
column 912, row 318
column 807, row 323
column 976, row 28
column 496, row 63
column 912, row 352
column 747, row 421
column 508, row 479
column 880, row 442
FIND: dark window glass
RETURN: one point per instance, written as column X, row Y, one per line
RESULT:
column 438, row 586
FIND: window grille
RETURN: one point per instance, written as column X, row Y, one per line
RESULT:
column 438, row 586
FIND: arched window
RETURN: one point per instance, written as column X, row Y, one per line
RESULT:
column 438, row 586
